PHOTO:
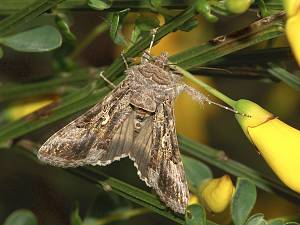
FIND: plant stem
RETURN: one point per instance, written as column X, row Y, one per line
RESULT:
column 208, row 88
column 89, row 38
column 121, row 216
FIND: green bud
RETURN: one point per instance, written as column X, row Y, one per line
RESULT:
column 237, row 6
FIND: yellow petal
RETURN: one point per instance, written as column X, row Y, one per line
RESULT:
column 21, row 109
column 216, row 193
column 293, row 34
column 291, row 6
column 193, row 199
column 256, row 115
column 279, row 144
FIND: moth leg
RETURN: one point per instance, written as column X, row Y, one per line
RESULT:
column 107, row 80
column 153, row 32
column 196, row 95
column 199, row 97
column 124, row 60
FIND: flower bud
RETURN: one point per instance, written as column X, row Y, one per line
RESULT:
column 237, row 6
column 216, row 193
column 277, row 142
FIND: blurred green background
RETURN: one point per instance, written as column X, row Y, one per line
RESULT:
column 52, row 194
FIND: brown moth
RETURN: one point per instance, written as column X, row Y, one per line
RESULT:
column 136, row 120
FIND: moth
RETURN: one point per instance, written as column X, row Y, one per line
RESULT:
column 135, row 120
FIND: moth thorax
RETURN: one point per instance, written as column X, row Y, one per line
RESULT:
column 155, row 73
column 144, row 99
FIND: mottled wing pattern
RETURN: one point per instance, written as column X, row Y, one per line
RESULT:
column 89, row 138
column 142, row 149
column 166, row 172
column 121, row 142
column 157, row 157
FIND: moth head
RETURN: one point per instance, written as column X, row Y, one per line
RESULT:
column 161, row 60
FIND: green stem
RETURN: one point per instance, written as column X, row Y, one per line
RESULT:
column 208, row 88
column 89, row 38
column 122, row 216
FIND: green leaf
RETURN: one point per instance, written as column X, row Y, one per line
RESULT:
column 21, row 217
column 243, row 201
column 277, row 221
column 285, row 76
column 195, row 215
column 136, row 195
column 135, row 35
column 105, row 204
column 203, row 7
column 61, row 22
column 291, row 223
column 39, row 39
column 100, row 4
column 256, row 219
column 189, row 25
column 257, row 32
column 116, row 27
column 142, row 27
column 156, row 3
column 195, row 171
column 147, row 23
column 75, row 217
column 25, row 14
column 262, row 7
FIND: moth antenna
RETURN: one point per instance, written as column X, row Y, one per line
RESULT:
column 201, row 98
column 107, row 80
column 153, row 32
column 148, row 54
column 124, row 60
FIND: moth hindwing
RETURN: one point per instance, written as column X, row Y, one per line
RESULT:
column 136, row 120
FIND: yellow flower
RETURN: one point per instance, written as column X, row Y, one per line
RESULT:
column 24, row 108
column 292, row 26
column 291, row 7
column 216, row 193
column 277, row 142
column 193, row 199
